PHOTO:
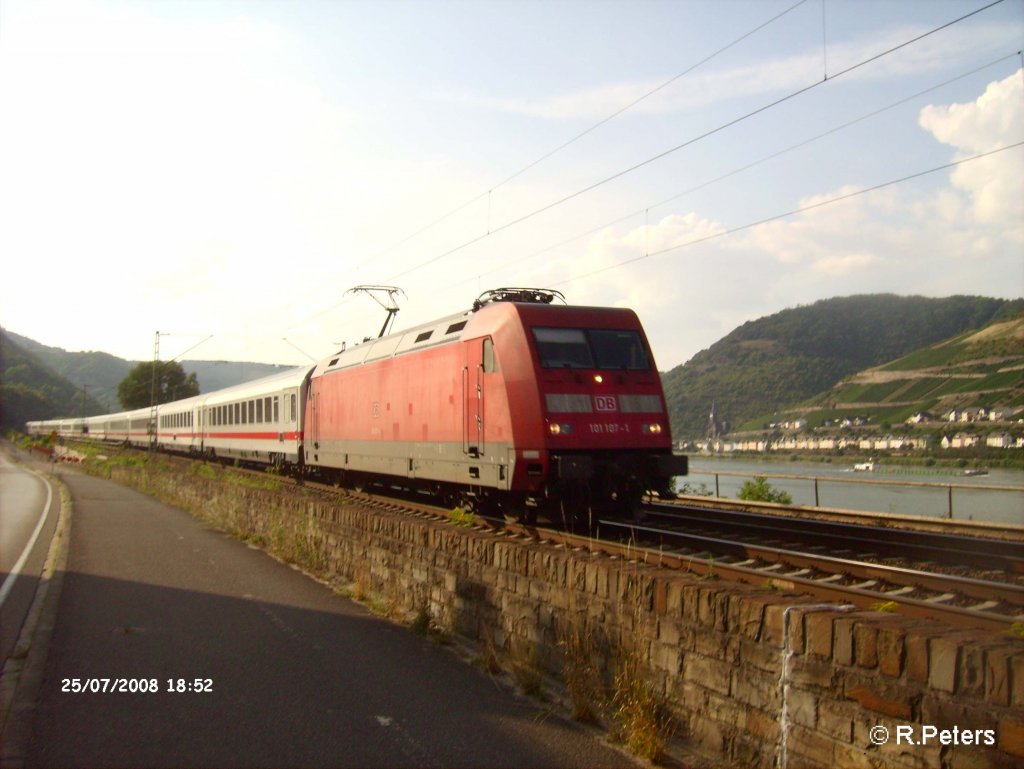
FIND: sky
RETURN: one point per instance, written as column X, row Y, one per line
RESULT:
column 224, row 172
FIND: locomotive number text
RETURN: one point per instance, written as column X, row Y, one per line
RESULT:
column 608, row 428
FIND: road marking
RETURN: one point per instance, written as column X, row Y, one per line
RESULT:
column 13, row 576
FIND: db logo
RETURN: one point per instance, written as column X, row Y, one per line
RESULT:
column 605, row 403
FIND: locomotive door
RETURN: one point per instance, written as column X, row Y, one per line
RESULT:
column 312, row 423
column 477, row 352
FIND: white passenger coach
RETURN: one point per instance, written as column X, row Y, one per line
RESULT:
column 257, row 422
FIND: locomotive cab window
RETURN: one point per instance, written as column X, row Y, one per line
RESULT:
column 563, row 348
column 609, row 349
column 619, row 350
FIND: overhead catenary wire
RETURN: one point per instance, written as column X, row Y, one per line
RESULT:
column 551, row 153
column 753, row 164
column 493, row 230
column 689, row 142
column 793, row 212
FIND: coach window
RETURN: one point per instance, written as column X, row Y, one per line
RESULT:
column 259, row 411
column 276, row 417
column 266, row 408
column 294, row 415
column 252, row 412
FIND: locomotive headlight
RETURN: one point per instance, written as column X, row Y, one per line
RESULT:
column 653, row 429
column 598, row 378
column 559, row 429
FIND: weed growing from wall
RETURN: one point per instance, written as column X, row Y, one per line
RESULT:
column 581, row 676
column 640, row 714
column 463, row 518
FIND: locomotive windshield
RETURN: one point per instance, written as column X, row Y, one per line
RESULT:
column 609, row 349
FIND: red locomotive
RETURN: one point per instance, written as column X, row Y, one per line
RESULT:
column 518, row 404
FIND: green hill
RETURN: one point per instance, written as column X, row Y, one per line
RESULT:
column 978, row 369
column 29, row 389
column 41, row 382
column 96, row 373
column 779, row 361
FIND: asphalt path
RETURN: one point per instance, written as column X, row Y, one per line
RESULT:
column 29, row 508
column 289, row 673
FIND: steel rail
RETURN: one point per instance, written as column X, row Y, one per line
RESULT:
column 859, row 596
column 863, row 598
column 947, row 548
column 983, row 590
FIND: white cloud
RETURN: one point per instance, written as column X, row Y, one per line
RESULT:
column 192, row 167
column 995, row 185
column 179, row 172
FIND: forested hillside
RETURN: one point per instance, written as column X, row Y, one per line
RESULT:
column 974, row 370
column 41, row 382
column 96, row 372
column 784, row 359
column 29, row 389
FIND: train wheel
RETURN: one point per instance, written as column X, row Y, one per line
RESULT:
column 515, row 510
column 630, row 503
column 575, row 511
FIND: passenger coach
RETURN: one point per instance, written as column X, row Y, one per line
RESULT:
column 259, row 421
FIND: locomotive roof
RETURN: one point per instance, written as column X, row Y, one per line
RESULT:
column 442, row 331
column 288, row 377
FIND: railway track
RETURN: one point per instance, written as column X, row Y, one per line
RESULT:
column 953, row 599
column 748, row 550
column 867, row 542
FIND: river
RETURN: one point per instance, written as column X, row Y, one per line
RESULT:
column 975, row 502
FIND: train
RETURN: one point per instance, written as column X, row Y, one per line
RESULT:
column 520, row 404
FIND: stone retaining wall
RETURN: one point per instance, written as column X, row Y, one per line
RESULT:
column 739, row 667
